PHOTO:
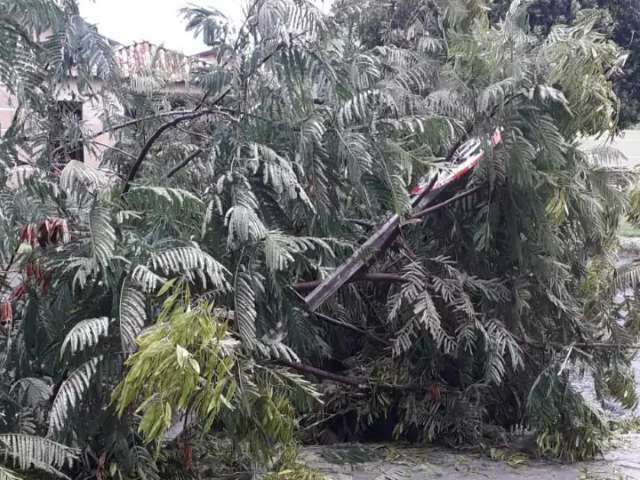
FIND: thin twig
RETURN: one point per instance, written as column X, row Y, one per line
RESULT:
column 453, row 199
column 348, row 326
column 129, row 123
column 360, row 382
column 365, row 277
column 338, row 323
column 115, row 149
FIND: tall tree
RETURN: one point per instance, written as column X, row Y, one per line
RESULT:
column 163, row 289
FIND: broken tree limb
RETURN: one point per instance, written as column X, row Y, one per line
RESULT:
column 357, row 261
column 389, row 277
column 469, row 157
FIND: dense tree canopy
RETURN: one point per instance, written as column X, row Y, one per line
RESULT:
column 152, row 307
column 623, row 26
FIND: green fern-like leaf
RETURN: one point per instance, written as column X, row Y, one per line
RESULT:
column 628, row 276
column 85, row 334
column 78, row 178
column 32, row 391
column 153, row 194
column 133, row 315
column 149, row 281
column 354, row 151
column 245, row 309
column 103, row 235
column 242, row 220
column 194, row 264
column 274, row 348
column 6, row 474
column 145, row 465
column 400, row 196
column 279, row 249
column 277, row 172
column 27, row 451
column 71, row 393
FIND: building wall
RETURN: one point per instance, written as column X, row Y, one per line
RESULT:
column 92, row 123
column 7, row 110
column 91, row 111
column 139, row 58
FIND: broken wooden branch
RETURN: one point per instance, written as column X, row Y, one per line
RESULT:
column 425, row 194
column 382, row 237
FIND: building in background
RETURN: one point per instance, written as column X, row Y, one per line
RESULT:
column 136, row 61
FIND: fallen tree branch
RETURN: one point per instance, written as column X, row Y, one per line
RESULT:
column 357, row 262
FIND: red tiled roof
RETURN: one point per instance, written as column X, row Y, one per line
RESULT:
column 144, row 56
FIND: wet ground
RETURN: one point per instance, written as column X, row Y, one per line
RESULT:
column 397, row 462
column 380, row 462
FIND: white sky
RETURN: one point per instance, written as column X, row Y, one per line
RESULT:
column 157, row 21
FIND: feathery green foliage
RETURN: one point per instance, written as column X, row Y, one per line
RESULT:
column 173, row 271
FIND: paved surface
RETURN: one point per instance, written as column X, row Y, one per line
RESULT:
column 380, row 462
column 396, row 462
column 628, row 143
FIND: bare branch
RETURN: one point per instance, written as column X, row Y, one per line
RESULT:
column 145, row 150
column 439, row 206
column 361, row 382
column 366, row 277
column 193, row 114
column 184, row 163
